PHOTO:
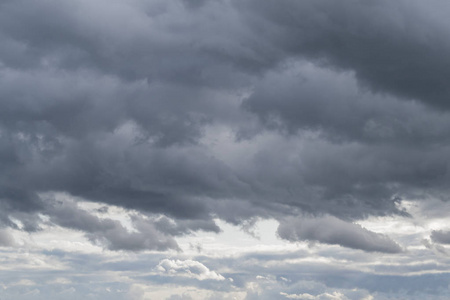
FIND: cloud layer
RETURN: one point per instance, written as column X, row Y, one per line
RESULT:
column 132, row 125
column 337, row 112
column 330, row 230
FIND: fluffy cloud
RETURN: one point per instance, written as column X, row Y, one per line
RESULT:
column 189, row 268
column 364, row 38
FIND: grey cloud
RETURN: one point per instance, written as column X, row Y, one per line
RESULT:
column 179, row 297
column 294, row 99
column 150, row 232
column 357, row 146
column 147, row 238
column 62, row 144
column 395, row 47
column 155, row 40
column 435, row 247
column 180, row 227
column 6, row 239
column 113, row 102
column 330, row 230
column 392, row 47
column 359, row 174
column 108, row 232
column 440, row 236
column 194, row 3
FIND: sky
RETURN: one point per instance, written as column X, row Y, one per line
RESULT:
column 224, row 149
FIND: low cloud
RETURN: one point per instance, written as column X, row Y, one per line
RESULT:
column 440, row 236
column 108, row 232
column 188, row 268
column 324, row 296
column 333, row 231
column 6, row 239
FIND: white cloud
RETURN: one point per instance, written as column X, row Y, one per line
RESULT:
column 324, row 296
column 188, row 268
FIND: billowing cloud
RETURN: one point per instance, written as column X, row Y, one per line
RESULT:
column 364, row 38
column 331, row 230
column 189, row 268
column 161, row 121
column 134, row 118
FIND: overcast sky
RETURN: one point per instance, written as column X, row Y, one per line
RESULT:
column 224, row 149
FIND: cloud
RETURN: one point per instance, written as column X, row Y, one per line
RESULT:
column 188, row 268
column 306, row 296
column 435, row 245
column 331, row 230
column 6, row 239
column 178, row 297
column 440, row 236
column 298, row 296
column 187, row 111
column 365, row 38
column 108, row 232
column 180, row 227
column 293, row 99
column 356, row 146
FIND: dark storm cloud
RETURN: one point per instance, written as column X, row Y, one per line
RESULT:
column 302, row 96
column 395, row 47
column 124, row 103
column 366, row 148
column 155, row 40
column 54, row 139
column 330, row 230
